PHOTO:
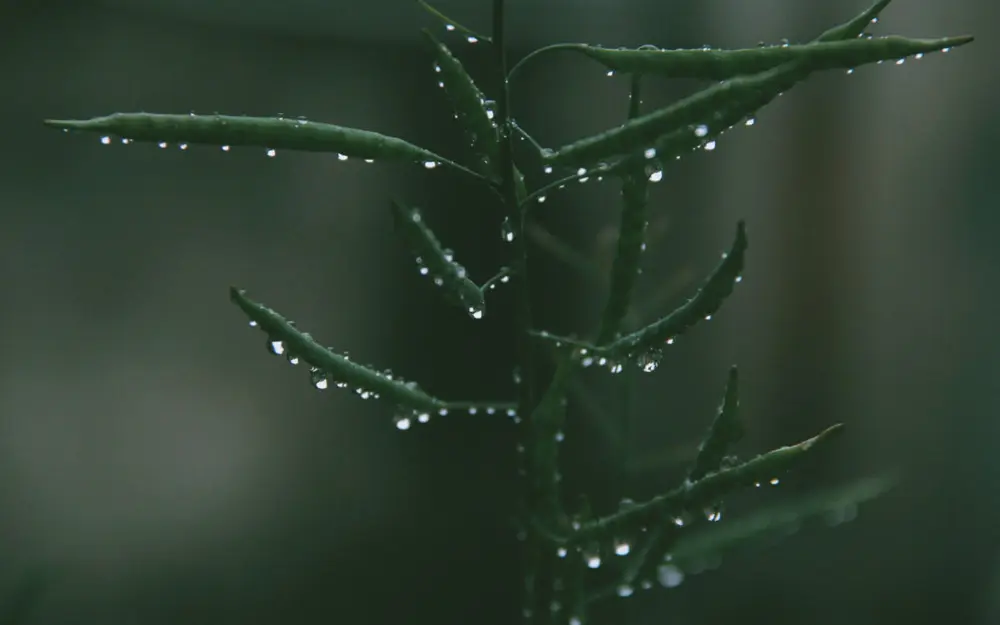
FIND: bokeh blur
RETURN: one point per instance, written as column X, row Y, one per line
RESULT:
column 157, row 466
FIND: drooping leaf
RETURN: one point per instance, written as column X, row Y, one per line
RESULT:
column 437, row 262
column 753, row 90
column 276, row 133
column 470, row 107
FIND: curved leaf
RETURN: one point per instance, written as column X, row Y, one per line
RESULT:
column 724, row 64
column 749, row 91
column 268, row 132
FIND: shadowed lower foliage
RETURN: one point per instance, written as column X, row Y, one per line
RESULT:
column 641, row 543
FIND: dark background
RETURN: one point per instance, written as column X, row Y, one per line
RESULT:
column 156, row 466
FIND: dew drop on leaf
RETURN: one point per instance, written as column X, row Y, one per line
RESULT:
column 507, row 230
column 275, row 347
column 669, row 576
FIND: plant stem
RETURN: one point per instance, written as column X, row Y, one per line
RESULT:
column 537, row 566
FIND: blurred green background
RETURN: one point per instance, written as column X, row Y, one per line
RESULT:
column 156, row 466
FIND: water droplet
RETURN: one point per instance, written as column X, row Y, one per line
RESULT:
column 622, row 548
column 700, row 130
column 253, row 324
column 106, row 140
column 710, row 146
column 319, row 379
column 548, row 169
column 275, row 347
column 183, row 146
column 900, row 61
column 449, row 27
column 650, row 153
column 424, row 417
column 507, row 230
column 437, row 68
column 592, row 557
column 575, row 620
column 541, row 199
column 471, row 39
column 561, row 552
column 126, row 141
column 669, row 576
column 850, row 71
column 162, row 144
column 225, row 148
column 560, row 436
column 402, row 423
column 430, row 164
column 475, row 313
column 918, row 55
column 775, row 481
column 625, row 590
column 293, row 359
column 656, row 176
column 272, row 152
column 750, row 121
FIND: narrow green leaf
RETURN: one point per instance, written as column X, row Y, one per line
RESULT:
column 437, row 262
column 631, row 237
column 696, row 495
column 646, row 344
column 679, row 142
column 754, row 90
column 692, row 548
column 725, row 64
column 267, row 132
column 328, row 367
column 726, row 429
column 470, row 107
column 452, row 25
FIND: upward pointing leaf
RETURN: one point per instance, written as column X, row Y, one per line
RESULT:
column 752, row 92
column 268, row 132
column 723, row 64
column 470, row 107
column 437, row 262
column 726, row 429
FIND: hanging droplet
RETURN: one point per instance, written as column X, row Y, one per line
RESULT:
column 625, row 590
column 710, row 146
column 402, row 422
column 656, row 176
column 622, row 548
column 750, row 121
column 430, row 164
column 472, row 39
column 449, row 27
column 162, row 144
column 700, row 130
column 507, row 230
column 272, row 152
column 225, row 148
column 319, row 379
column 106, row 140
column 592, row 556
column 275, row 347
column 475, row 312
column 669, row 576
